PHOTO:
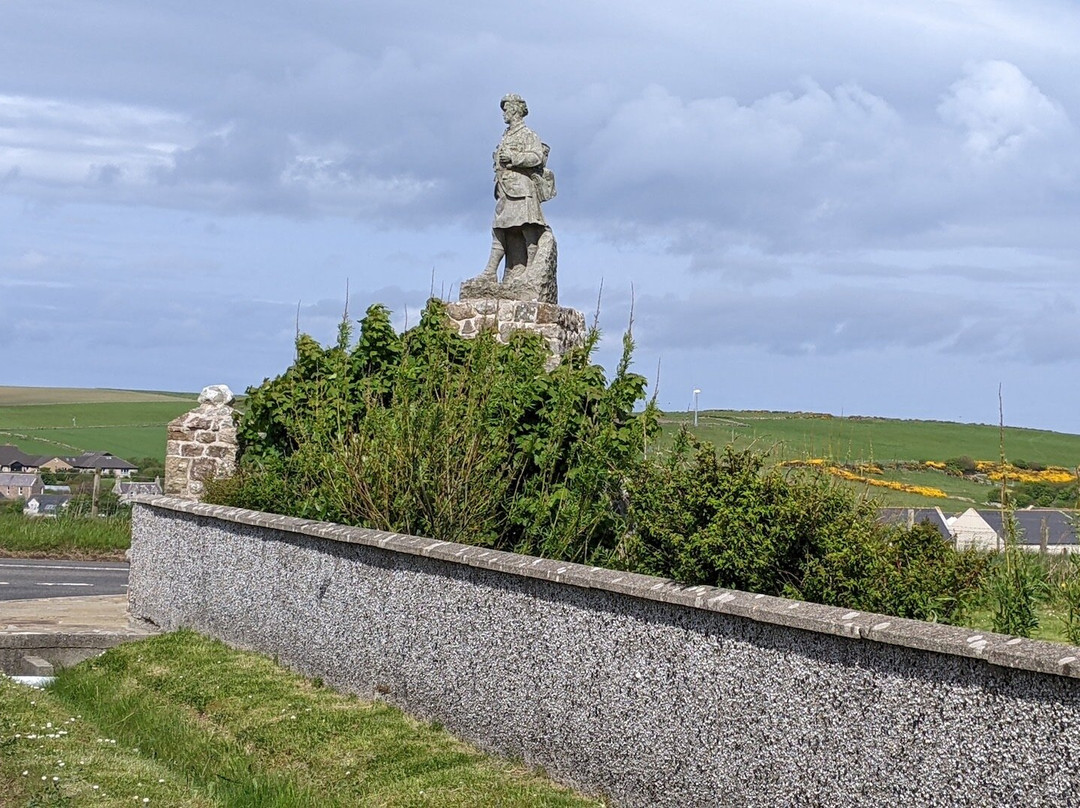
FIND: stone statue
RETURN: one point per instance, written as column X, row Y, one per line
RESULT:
column 520, row 236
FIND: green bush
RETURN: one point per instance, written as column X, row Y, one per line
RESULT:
column 474, row 441
column 460, row 440
column 960, row 466
column 724, row 519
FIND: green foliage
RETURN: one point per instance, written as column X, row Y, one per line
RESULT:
column 65, row 536
column 912, row 573
column 12, row 506
column 81, row 505
column 961, row 466
column 149, row 468
column 1016, row 583
column 474, row 441
column 1028, row 465
column 461, row 440
column 726, row 520
column 1042, row 494
column 1070, row 595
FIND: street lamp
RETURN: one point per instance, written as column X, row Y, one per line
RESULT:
column 696, row 394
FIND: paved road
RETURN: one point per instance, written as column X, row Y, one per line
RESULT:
column 25, row 578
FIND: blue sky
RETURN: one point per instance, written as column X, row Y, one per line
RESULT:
column 856, row 208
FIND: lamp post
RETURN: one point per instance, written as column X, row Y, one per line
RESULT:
column 696, row 394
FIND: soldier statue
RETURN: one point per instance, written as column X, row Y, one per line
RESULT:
column 520, row 235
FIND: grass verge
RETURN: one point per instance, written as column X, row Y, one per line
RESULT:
column 183, row 720
column 75, row 537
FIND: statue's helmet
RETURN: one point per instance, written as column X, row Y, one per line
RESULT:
column 514, row 98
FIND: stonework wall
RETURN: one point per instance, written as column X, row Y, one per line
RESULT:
column 635, row 688
column 562, row 327
column 201, row 446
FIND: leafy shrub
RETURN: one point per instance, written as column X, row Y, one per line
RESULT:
column 723, row 519
column 12, row 506
column 1028, row 465
column 474, row 441
column 1043, row 494
column 1070, row 595
column 461, row 440
column 961, row 466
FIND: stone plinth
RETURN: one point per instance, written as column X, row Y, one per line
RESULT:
column 562, row 328
column 201, row 446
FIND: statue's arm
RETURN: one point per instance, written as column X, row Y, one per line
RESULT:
column 524, row 151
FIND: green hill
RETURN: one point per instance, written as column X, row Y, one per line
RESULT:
column 885, row 450
column 128, row 423
column 800, row 435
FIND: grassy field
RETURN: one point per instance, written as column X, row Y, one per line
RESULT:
column 181, row 720
column 16, row 396
column 66, row 421
column 64, row 537
column 884, row 442
column 798, row 436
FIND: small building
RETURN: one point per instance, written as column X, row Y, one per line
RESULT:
column 105, row 462
column 46, row 504
column 1038, row 529
column 971, row 532
column 126, row 489
column 13, row 459
column 57, row 464
column 909, row 517
column 20, row 485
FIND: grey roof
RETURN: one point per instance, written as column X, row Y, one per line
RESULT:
column 18, row 478
column 99, row 460
column 50, row 502
column 1032, row 523
column 129, row 488
column 913, row 516
column 11, row 455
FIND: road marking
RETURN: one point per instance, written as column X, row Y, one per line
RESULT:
column 4, row 583
column 50, row 583
column 56, row 567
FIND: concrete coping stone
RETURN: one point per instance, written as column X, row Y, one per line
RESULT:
column 994, row 649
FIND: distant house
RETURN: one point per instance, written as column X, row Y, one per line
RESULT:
column 106, row 462
column 13, row 459
column 971, row 532
column 909, row 517
column 46, row 504
column 125, row 490
column 57, row 464
column 20, row 486
column 1036, row 528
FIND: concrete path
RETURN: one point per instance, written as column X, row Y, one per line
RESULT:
column 39, row 635
column 97, row 613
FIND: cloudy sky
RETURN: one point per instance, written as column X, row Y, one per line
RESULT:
column 826, row 205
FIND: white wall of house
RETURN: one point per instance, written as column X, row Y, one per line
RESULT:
column 972, row 532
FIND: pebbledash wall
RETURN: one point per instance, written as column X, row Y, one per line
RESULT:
column 627, row 686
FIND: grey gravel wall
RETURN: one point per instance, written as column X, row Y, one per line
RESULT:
column 644, row 691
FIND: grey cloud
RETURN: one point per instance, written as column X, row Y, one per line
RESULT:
column 366, row 118
column 812, row 322
column 106, row 174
